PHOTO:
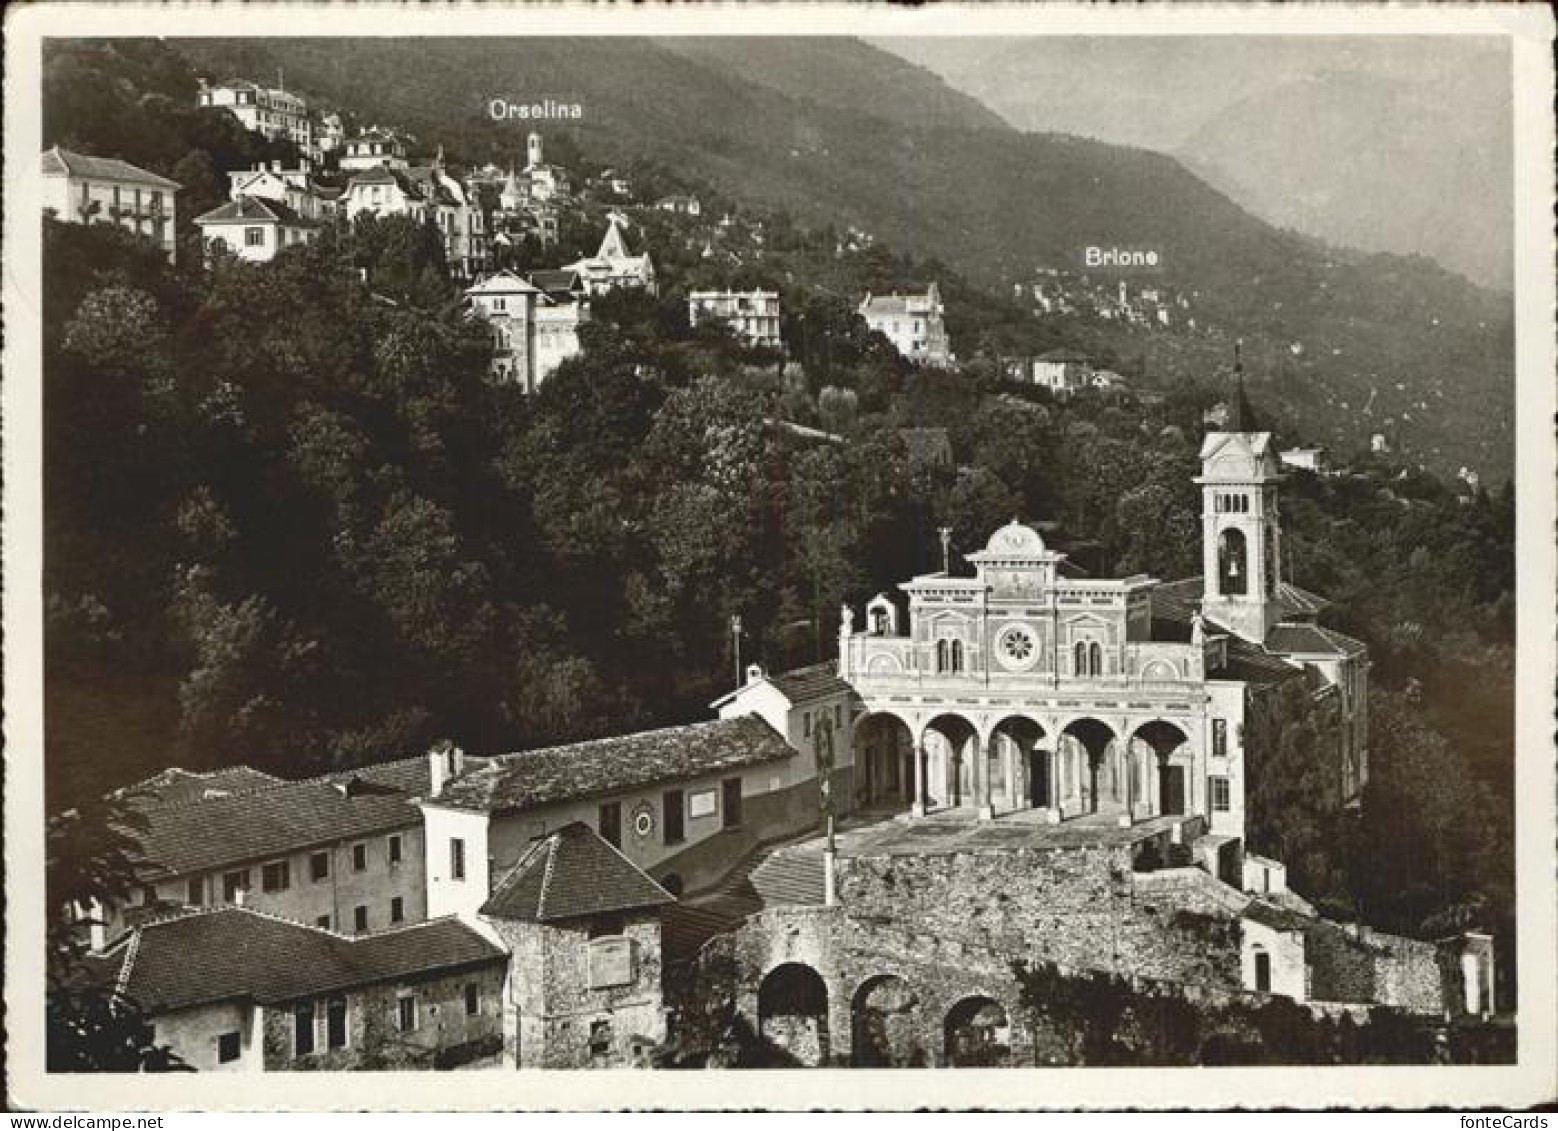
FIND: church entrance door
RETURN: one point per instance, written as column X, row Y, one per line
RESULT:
column 1172, row 790
column 1038, row 778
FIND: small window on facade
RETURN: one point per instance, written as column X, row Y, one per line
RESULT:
column 472, row 999
column 1220, row 795
column 456, row 858
column 394, row 850
column 1095, row 655
column 335, row 1023
column 254, row 237
column 149, row 896
column 229, row 1047
column 406, row 1014
column 359, row 857
column 730, row 799
column 276, row 877
column 675, row 813
column 610, row 823
column 196, row 892
column 397, row 910
column 1219, row 738
column 1081, row 658
column 319, row 866
column 957, row 655
column 303, row 1029
column 806, row 724
column 838, row 716
column 323, row 922
column 360, row 917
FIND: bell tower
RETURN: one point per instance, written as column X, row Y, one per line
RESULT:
column 533, row 151
column 1241, row 528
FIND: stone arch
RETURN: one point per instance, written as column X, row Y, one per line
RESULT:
column 1095, row 737
column 949, row 770
column 1171, row 784
column 792, row 1016
column 977, row 1033
column 885, row 749
column 1233, row 563
column 1018, row 743
column 884, row 1019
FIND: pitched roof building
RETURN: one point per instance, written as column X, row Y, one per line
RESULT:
column 82, row 189
column 913, row 323
column 612, row 266
column 254, row 229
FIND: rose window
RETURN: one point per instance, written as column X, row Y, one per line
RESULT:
column 1018, row 648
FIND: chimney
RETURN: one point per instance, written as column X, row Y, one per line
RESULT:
column 754, row 673
column 436, row 771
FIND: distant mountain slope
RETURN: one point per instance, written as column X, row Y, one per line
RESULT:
column 843, row 74
column 1426, row 169
column 1387, row 143
column 791, row 131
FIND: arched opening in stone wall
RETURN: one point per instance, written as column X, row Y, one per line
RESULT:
column 1166, row 782
column 1021, row 773
column 792, row 1016
column 1098, row 789
column 884, row 762
column 978, row 1034
column 885, row 1017
column 1232, row 563
column 950, row 743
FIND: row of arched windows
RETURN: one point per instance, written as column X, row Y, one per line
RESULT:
column 1223, row 503
column 1089, row 658
column 949, row 655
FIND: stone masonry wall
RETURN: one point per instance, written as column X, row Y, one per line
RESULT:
column 1077, row 907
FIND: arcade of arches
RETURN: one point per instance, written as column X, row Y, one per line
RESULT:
column 1015, row 763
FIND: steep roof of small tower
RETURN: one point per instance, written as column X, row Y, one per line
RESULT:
column 613, row 246
column 1241, row 414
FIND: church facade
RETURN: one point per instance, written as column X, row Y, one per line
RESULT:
column 1027, row 688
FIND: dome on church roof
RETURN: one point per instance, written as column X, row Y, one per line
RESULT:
column 1015, row 538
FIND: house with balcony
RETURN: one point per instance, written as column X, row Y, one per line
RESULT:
column 82, row 189
column 752, row 316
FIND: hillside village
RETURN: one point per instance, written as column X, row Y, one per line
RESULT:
column 860, row 858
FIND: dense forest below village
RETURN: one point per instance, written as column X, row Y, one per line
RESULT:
column 291, row 523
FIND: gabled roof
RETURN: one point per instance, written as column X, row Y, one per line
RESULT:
column 177, row 786
column 800, row 685
column 614, row 244
column 503, row 283
column 513, row 782
column 569, row 874
column 262, row 824
column 59, row 162
column 228, row 953
column 896, row 303
column 255, row 210
column 1312, row 640
column 556, row 280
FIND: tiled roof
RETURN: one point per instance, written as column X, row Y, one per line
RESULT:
column 252, row 210
column 502, row 283
column 569, row 874
column 177, row 786
column 59, row 162
column 606, row 765
column 1301, row 600
column 556, row 280
column 1312, row 639
column 807, row 685
column 1174, row 603
column 267, row 823
column 893, row 304
column 236, row 953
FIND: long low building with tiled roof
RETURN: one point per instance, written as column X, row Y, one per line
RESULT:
column 81, row 188
column 232, row 988
column 343, row 851
column 681, row 803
